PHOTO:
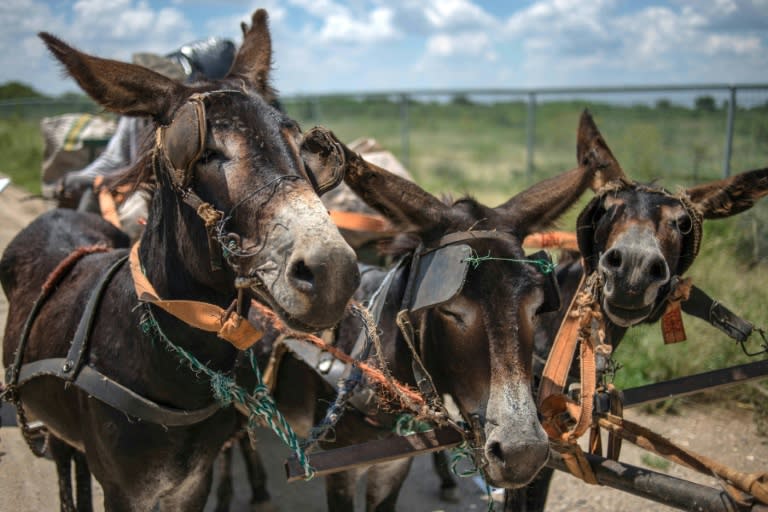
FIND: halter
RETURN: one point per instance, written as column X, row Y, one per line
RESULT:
column 181, row 143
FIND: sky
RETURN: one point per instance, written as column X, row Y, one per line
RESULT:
column 379, row 45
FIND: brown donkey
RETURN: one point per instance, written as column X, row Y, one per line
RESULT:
column 475, row 339
column 640, row 240
column 222, row 153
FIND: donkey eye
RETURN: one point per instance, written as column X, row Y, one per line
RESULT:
column 683, row 224
column 450, row 315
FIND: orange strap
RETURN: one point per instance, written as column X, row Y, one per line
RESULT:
column 577, row 327
column 356, row 221
column 207, row 317
column 107, row 203
column 561, row 356
column 552, row 240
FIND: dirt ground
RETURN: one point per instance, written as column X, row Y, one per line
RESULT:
column 28, row 484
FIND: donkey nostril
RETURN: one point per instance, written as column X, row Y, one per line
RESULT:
column 613, row 259
column 302, row 275
column 658, row 270
column 495, row 451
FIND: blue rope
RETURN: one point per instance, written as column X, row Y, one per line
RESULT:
column 226, row 391
column 543, row 266
column 336, row 409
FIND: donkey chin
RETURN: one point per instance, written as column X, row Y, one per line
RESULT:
column 626, row 306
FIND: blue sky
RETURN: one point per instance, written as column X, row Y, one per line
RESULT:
column 365, row 45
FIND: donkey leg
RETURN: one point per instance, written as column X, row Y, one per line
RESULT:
column 340, row 490
column 82, row 483
column 384, row 484
column 449, row 488
column 532, row 497
column 257, row 476
column 62, row 456
column 224, row 489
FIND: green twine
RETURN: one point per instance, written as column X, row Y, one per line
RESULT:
column 259, row 403
column 461, row 453
column 544, row 266
column 407, row 425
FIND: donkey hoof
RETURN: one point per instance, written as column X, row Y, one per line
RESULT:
column 450, row 495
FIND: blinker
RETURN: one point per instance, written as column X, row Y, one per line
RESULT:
column 440, row 276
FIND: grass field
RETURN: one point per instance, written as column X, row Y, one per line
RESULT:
column 480, row 148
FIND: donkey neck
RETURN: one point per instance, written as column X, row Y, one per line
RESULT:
column 175, row 257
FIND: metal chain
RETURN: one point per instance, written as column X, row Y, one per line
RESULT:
column 11, row 394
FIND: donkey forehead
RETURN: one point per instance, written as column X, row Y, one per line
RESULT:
column 248, row 114
column 644, row 206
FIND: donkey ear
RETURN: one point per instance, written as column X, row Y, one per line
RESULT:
column 592, row 152
column 538, row 207
column 254, row 59
column 730, row 196
column 324, row 159
column 118, row 86
column 404, row 203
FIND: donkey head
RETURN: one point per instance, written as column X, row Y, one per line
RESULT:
column 477, row 340
column 238, row 201
column 640, row 237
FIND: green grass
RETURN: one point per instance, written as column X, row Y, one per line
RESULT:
column 480, row 149
column 22, row 147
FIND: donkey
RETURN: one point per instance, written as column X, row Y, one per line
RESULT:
column 223, row 153
column 640, row 240
column 476, row 344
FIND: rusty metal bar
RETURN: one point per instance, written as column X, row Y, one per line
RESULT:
column 694, row 383
column 658, row 487
column 373, row 452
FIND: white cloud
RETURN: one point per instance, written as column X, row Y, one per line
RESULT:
column 717, row 44
column 444, row 14
column 470, row 43
column 342, row 27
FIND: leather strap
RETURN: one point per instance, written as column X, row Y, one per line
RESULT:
column 701, row 305
column 114, row 394
column 79, row 345
column 462, row 236
column 207, row 317
column 561, row 355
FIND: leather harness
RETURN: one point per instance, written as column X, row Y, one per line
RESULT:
column 74, row 370
column 426, row 273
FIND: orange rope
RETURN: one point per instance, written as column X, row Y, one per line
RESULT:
column 373, row 374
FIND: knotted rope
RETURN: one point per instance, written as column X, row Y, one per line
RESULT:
column 259, row 403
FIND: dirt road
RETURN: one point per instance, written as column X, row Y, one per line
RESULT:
column 28, row 484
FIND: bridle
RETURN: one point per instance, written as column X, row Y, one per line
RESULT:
column 181, row 143
column 588, row 220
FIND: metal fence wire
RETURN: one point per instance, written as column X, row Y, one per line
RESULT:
column 486, row 141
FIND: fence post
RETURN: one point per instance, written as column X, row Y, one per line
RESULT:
column 405, row 131
column 729, row 133
column 530, row 129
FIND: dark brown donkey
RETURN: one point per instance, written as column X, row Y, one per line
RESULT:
column 641, row 240
column 476, row 342
column 222, row 153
